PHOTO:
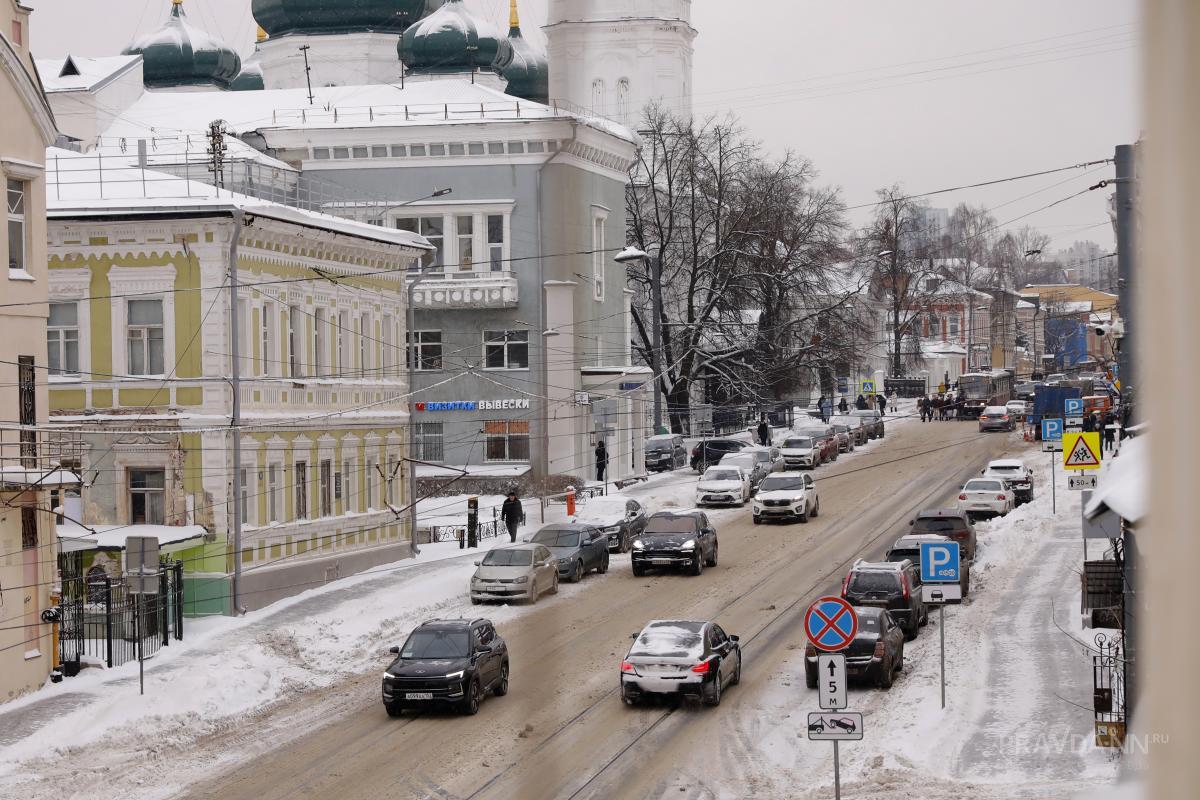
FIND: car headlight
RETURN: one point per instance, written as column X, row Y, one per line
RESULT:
column 613, row 529
column 562, row 562
column 387, row 675
column 522, row 579
column 688, row 545
column 798, row 499
column 455, row 675
column 476, row 581
column 638, row 544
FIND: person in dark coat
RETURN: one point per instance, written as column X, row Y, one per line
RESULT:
column 923, row 408
column 601, row 460
column 861, row 403
column 764, row 433
column 1110, row 432
column 1089, row 423
column 512, row 514
column 843, row 406
column 881, row 401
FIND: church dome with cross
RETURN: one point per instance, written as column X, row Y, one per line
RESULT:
column 178, row 54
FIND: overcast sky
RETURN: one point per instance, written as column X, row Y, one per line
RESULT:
column 927, row 93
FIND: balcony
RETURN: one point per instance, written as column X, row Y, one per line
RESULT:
column 445, row 291
column 33, row 459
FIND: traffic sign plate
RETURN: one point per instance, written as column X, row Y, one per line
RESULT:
column 1082, row 481
column 1072, row 407
column 1081, row 450
column 1073, row 424
column 1052, row 429
column 938, row 593
column 841, row 726
column 940, row 562
column 830, row 623
column 868, row 387
column 831, row 680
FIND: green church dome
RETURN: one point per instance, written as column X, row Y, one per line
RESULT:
column 528, row 74
column 250, row 78
column 279, row 17
column 452, row 40
column 178, row 54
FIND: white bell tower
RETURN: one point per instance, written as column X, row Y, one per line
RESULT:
column 613, row 57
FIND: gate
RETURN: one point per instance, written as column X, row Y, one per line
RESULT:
column 1108, row 691
column 101, row 621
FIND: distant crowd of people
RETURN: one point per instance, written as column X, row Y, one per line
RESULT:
column 941, row 406
column 862, row 403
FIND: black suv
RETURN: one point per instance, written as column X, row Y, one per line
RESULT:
column 710, row 451
column 447, row 662
column 684, row 539
column 894, row 586
column 948, row 522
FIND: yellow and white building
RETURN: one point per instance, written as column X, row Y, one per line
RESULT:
column 142, row 357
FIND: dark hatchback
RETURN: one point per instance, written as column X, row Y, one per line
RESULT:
column 894, row 586
column 948, row 522
column 452, row 662
column 685, row 539
column 710, row 451
column 876, row 653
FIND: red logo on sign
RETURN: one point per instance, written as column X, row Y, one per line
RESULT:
column 420, row 406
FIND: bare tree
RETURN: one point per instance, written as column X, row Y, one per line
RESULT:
column 1015, row 256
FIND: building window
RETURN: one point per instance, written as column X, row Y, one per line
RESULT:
column 364, row 344
column 17, row 191
column 18, row 33
column 495, row 241
column 433, row 229
column 954, row 326
column 320, row 336
column 598, row 257
column 598, row 97
column 326, row 486
column 273, row 493
column 428, row 441
column 266, row 335
column 623, row 101
column 27, row 410
column 295, row 370
column 29, row 532
column 392, row 468
column 146, row 337
column 301, row 490
column 428, row 346
column 507, row 440
column 369, row 483
column 244, row 499
column 347, row 487
column 343, row 344
column 506, row 349
column 62, row 338
column 388, row 346
column 147, row 490
column 465, row 230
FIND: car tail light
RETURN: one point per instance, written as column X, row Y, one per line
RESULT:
column 1000, row 497
column 696, row 450
column 904, row 585
column 701, row 668
column 626, row 667
column 1004, row 418
column 880, row 649
column 846, row 583
column 962, row 496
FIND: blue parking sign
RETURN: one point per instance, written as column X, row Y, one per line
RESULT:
column 1052, row 429
column 939, row 562
column 1073, row 407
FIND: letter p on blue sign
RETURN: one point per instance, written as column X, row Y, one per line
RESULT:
column 939, row 562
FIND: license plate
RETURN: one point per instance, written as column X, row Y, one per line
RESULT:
column 418, row 695
column 660, row 561
column 492, row 588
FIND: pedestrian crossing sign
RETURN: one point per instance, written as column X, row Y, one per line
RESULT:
column 868, row 387
column 1081, row 450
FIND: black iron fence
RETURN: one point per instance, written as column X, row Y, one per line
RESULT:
column 102, row 621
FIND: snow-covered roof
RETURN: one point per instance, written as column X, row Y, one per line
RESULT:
column 1025, row 304
column 1071, row 306
column 77, row 186
column 112, row 537
column 26, row 477
column 1125, row 484
column 79, row 74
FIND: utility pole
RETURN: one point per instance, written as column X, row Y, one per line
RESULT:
column 1127, row 253
column 307, row 72
column 216, row 152
column 656, row 300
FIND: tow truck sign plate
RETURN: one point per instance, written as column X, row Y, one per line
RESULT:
column 830, row 726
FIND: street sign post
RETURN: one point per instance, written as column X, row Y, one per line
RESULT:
column 1082, row 481
column 844, row 726
column 830, row 624
column 831, row 681
column 1052, row 431
column 940, row 571
column 1073, row 407
column 141, row 572
column 1081, row 450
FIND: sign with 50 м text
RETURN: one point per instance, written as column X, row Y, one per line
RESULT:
column 475, row 405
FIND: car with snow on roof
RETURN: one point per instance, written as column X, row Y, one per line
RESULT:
column 680, row 658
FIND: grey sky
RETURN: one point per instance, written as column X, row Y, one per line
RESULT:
column 927, row 93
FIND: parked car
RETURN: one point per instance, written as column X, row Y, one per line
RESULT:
column 1017, row 409
column 453, row 662
column 621, row 518
column 1026, row 391
column 676, row 539
column 711, row 451
column 876, row 653
column 786, row 495
column 755, row 468
column 1013, row 472
column 908, row 548
column 665, row 452
column 995, row 418
column 800, row 452
column 948, row 522
column 872, row 419
column 985, row 497
column 770, row 457
column 1055, row 379
column 681, row 657
column 518, row 572
column 825, row 438
column 576, row 548
column 724, row 484
column 895, row 586
column 860, row 428
column 846, row 437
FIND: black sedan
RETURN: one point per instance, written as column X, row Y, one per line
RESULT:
column 876, row 653
column 577, row 548
column 621, row 519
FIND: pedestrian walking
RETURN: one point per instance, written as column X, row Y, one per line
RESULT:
column 881, row 401
column 861, row 403
column 826, row 410
column 512, row 514
column 843, row 406
column 1110, row 431
column 764, row 433
column 601, row 460
column 922, row 406
column 892, row 400
column 938, row 406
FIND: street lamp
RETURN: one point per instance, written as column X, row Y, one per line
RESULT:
column 631, row 255
column 436, row 193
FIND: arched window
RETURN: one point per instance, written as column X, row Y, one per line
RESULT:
column 623, row 101
column 598, row 96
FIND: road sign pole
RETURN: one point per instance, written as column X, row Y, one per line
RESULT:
column 137, row 632
column 942, row 636
column 1053, row 491
column 837, row 773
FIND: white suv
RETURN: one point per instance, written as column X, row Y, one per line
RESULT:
column 786, row 495
column 800, row 451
